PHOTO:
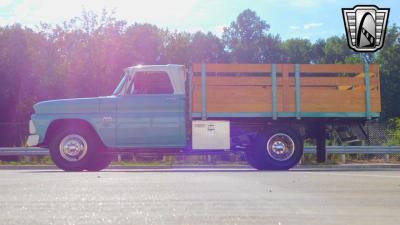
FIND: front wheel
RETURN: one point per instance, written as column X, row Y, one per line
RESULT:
column 277, row 149
column 101, row 162
column 72, row 149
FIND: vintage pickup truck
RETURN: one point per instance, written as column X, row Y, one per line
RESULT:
column 263, row 110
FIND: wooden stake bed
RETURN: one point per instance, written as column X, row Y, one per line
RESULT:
column 285, row 90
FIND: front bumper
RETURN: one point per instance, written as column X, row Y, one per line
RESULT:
column 32, row 140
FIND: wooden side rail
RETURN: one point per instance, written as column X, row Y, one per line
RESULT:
column 298, row 90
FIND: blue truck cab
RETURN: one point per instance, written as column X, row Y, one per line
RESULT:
column 146, row 110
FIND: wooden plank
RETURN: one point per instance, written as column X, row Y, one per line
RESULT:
column 328, row 98
column 232, row 81
column 266, row 80
column 236, row 99
column 375, row 86
column 234, row 68
column 298, row 92
column 262, row 68
column 329, row 81
column 203, row 92
column 285, row 86
column 335, row 101
column 274, row 93
column 332, row 68
column 374, row 70
column 258, row 99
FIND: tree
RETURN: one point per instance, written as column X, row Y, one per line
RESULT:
column 207, row 48
column 389, row 59
column 298, row 50
column 176, row 48
column 143, row 44
column 273, row 50
column 15, row 64
column 336, row 50
column 318, row 51
column 86, row 55
column 244, row 37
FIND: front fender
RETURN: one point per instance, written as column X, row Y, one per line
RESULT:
column 104, row 129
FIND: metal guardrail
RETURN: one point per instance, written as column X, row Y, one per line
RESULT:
column 31, row 151
column 23, row 151
column 356, row 149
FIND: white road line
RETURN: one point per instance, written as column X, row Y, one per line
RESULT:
column 355, row 175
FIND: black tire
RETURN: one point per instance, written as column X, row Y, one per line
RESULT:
column 261, row 158
column 101, row 162
column 81, row 164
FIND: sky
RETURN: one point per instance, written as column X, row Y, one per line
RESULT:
column 312, row 19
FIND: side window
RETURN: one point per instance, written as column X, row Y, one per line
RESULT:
column 152, row 83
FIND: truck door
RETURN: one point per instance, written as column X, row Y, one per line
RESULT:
column 150, row 114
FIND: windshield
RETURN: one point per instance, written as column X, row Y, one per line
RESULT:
column 121, row 84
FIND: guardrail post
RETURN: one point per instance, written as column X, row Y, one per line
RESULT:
column 27, row 158
column 343, row 158
column 301, row 160
column 386, row 157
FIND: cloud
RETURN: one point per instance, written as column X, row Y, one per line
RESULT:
column 312, row 25
column 306, row 30
column 306, row 26
column 304, row 3
column 292, row 27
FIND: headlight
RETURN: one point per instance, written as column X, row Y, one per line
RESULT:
column 32, row 128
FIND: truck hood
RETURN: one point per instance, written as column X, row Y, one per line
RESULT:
column 73, row 105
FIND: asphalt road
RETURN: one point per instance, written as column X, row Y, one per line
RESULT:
column 200, row 196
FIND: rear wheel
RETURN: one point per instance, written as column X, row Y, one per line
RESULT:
column 72, row 148
column 277, row 149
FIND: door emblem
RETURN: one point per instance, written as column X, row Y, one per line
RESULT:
column 107, row 119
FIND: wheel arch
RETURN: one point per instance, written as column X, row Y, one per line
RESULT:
column 58, row 124
column 298, row 129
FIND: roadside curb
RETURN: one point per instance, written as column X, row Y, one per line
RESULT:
column 299, row 167
column 351, row 166
column 116, row 167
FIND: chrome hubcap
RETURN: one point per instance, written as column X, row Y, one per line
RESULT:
column 280, row 147
column 73, row 147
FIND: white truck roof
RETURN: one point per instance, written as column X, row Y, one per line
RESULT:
column 154, row 67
